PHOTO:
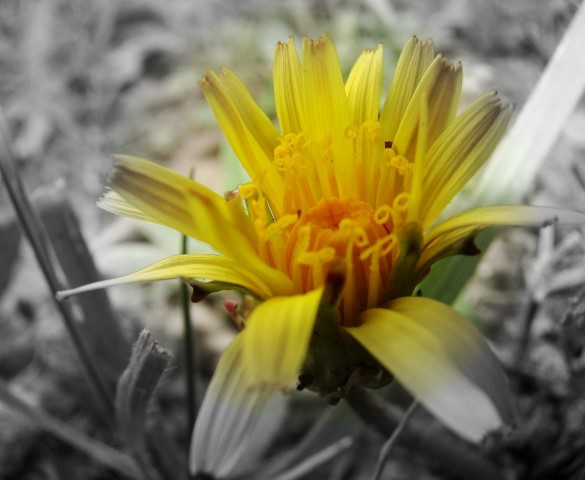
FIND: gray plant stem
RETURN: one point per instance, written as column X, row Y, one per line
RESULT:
column 389, row 444
column 454, row 456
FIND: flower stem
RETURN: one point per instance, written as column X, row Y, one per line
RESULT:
column 189, row 350
column 455, row 456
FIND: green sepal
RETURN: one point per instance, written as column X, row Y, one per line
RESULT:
column 402, row 282
column 335, row 360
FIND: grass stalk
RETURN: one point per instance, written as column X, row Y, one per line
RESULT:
column 189, row 348
column 37, row 237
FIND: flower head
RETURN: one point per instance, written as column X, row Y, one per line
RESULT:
column 337, row 227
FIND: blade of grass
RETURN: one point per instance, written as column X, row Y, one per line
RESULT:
column 189, row 349
column 514, row 165
column 32, row 228
column 100, row 327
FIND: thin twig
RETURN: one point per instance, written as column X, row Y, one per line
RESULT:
column 387, row 447
column 32, row 228
column 455, row 456
column 314, row 461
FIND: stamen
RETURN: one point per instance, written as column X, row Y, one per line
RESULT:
column 293, row 159
column 317, row 261
column 249, row 191
column 276, row 235
column 347, row 231
column 401, row 202
column 383, row 247
column 301, row 246
column 374, row 279
column 384, row 214
column 325, row 170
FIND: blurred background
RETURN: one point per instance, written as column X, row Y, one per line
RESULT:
column 81, row 80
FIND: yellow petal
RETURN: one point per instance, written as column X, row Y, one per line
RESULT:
column 326, row 111
column 178, row 202
column 230, row 417
column 192, row 209
column 113, row 202
column 288, row 93
column 460, row 151
column 429, row 364
column 249, row 132
column 450, row 236
column 277, row 338
column 210, row 272
column 465, row 344
column 414, row 60
column 364, row 87
column 440, row 90
column 255, row 120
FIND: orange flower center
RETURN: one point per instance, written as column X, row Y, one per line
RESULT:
column 344, row 231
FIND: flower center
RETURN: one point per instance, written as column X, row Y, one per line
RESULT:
column 349, row 232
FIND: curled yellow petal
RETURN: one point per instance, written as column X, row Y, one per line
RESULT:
column 460, row 151
column 277, row 338
column 438, row 369
column 465, row 344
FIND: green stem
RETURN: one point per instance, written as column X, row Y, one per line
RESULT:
column 189, row 350
column 32, row 227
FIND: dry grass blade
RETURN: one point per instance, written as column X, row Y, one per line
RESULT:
column 37, row 237
column 101, row 327
column 517, row 160
column 107, row 456
column 135, row 389
column 455, row 456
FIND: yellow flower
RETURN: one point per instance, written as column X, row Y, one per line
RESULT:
column 334, row 232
